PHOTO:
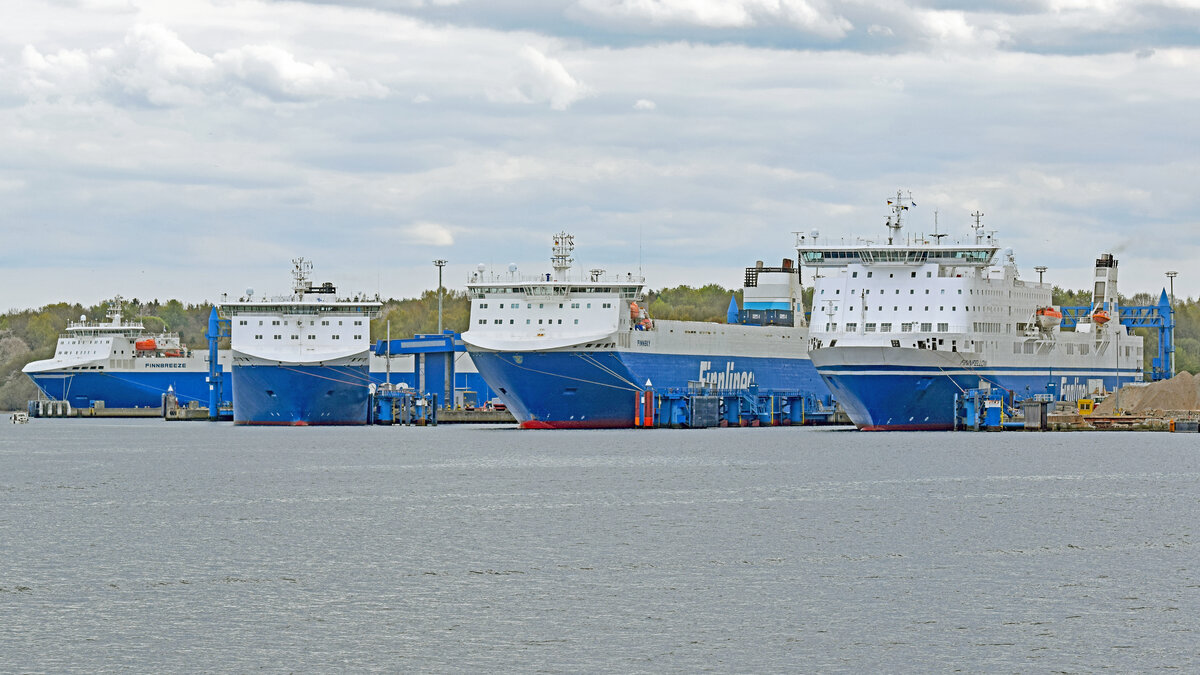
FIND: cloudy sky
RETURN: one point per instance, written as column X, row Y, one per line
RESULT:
column 185, row 148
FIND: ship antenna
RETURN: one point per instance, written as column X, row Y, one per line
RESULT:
column 561, row 259
column 936, row 235
column 301, row 268
column 898, row 208
column 978, row 226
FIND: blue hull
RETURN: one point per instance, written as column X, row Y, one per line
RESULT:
column 145, row 390
column 122, row 390
column 598, row 389
column 300, row 395
column 925, row 401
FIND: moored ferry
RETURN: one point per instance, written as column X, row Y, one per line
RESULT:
column 576, row 350
column 900, row 328
column 121, row 364
column 301, row 359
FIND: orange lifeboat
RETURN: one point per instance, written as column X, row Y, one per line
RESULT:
column 1100, row 317
column 1048, row 317
column 635, row 312
column 147, row 345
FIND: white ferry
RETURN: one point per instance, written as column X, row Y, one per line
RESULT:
column 899, row 328
column 577, row 350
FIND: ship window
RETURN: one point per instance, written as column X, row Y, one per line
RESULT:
column 541, row 305
column 481, row 321
column 539, row 322
column 870, row 328
column 498, row 321
column 337, row 337
column 260, row 323
column 943, row 328
column 837, row 291
column 895, row 343
column 526, row 322
column 926, row 327
column 854, row 274
column 560, row 321
column 1028, row 347
column 906, row 328
column 589, row 305
column 928, row 275
column 886, row 328
column 911, row 291
column 358, row 323
column 314, row 337
column 257, row 337
column 295, row 337
column 1083, row 349
column 870, row 274
column 511, row 322
column 278, row 337
column 1070, row 349
column 914, row 275
column 960, row 291
column 576, row 322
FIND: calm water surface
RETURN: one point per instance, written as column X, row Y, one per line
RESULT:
column 157, row 547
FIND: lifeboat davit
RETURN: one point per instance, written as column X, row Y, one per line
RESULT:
column 1048, row 317
column 1100, row 317
column 147, row 345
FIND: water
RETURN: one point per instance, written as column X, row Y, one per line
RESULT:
column 162, row 547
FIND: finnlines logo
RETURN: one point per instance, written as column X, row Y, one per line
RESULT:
column 166, row 365
column 725, row 379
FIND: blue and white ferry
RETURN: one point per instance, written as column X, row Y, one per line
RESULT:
column 301, row 359
column 575, row 350
column 120, row 364
column 899, row 328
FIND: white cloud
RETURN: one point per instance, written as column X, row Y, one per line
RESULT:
column 723, row 13
column 153, row 66
column 644, row 104
column 541, row 79
column 427, row 234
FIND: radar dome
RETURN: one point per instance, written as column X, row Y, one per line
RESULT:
column 249, row 292
column 512, row 267
column 83, row 317
column 481, row 267
column 815, row 233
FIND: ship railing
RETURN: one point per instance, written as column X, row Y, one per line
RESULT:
column 507, row 278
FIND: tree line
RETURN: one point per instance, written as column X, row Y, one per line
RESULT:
column 31, row 334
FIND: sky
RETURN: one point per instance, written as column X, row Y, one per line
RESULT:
column 184, row 149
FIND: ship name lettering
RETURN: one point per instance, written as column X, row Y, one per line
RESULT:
column 975, row 363
column 643, row 343
column 728, row 378
column 166, row 365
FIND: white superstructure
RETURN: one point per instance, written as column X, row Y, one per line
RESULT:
column 309, row 327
